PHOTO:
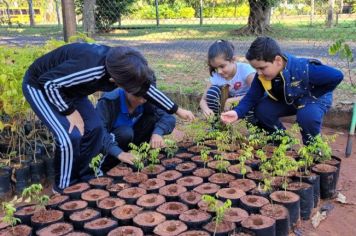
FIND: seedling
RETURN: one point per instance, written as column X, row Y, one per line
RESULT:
column 222, row 141
column 33, row 192
column 318, row 150
column 219, row 210
column 256, row 137
column 9, row 210
column 153, row 158
column 283, row 164
column 95, row 164
column 221, row 165
column 197, row 130
column 344, row 51
column 140, row 154
column 246, row 154
column 320, row 147
column 235, row 132
column 204, row 155
column 170, row 148
column 266, row 168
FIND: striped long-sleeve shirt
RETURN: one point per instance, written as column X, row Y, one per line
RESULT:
column 77, row 70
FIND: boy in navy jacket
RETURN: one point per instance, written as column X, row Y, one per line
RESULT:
column 56, row 86
column 128, row 118
column 285, row 85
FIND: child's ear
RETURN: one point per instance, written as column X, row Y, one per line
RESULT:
column 279, row 61
column 234, row 58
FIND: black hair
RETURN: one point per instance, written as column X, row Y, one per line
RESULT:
column 129, row 69
column 220, row 48
column 263, row 49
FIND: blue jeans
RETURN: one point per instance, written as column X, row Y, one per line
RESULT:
column 309, row 117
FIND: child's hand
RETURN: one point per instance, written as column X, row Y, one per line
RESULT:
column 185, row 114
column 126, row 157
column 229, row 117
column 208, row 112
column 156, row 141
column 76, row 120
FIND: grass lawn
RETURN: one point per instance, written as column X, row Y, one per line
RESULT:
column 297, row 29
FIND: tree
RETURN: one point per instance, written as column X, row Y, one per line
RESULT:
column 107, row 12
column 31, row 13
column 259, row 17
column 89, row 17
column 329, row 22
column 57, row 12
column 69, row 22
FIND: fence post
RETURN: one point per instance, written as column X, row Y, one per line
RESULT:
column 201, row 12
column 157, row 13
column 69, row 23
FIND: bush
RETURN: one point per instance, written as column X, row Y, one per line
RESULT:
column 242, row 10
column 165, row 12
column 186, row 12
column 14, row 64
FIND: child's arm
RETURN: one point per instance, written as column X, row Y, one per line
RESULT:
column 323, row 78
column 255, row 93
column 159, row 99
column 250, row 78
column 203, row 104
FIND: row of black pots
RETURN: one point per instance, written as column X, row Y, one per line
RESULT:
column 24, row 175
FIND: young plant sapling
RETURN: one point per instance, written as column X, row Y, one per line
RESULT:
column 246, row 154
column 267, row 169
column 283, row 164
column 153, row 158
column 170, row 148
column 33, row 193
column 219, row 210
column 9, row 211
column 140, row 154
column 204, row 155
column 95, row 164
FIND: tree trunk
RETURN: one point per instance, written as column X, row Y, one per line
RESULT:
column 235, row 11
column 201, row 12
column 258, row 20
column 312, row 10
column 69, row 22
column 31, row 13
column 119, row 20
column 157, row 13
column 329, row 22
column 57, row 12
column 89, row 17
column 340, row 12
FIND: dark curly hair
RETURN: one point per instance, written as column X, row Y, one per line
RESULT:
column 129, row 69
column 263, row 49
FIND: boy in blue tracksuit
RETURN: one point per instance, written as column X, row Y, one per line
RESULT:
column 128, row 118
column 294, row 86
column 56, row 86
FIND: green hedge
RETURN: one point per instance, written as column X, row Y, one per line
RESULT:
column 242, row 10
column 180, row 11
column 165, row 12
